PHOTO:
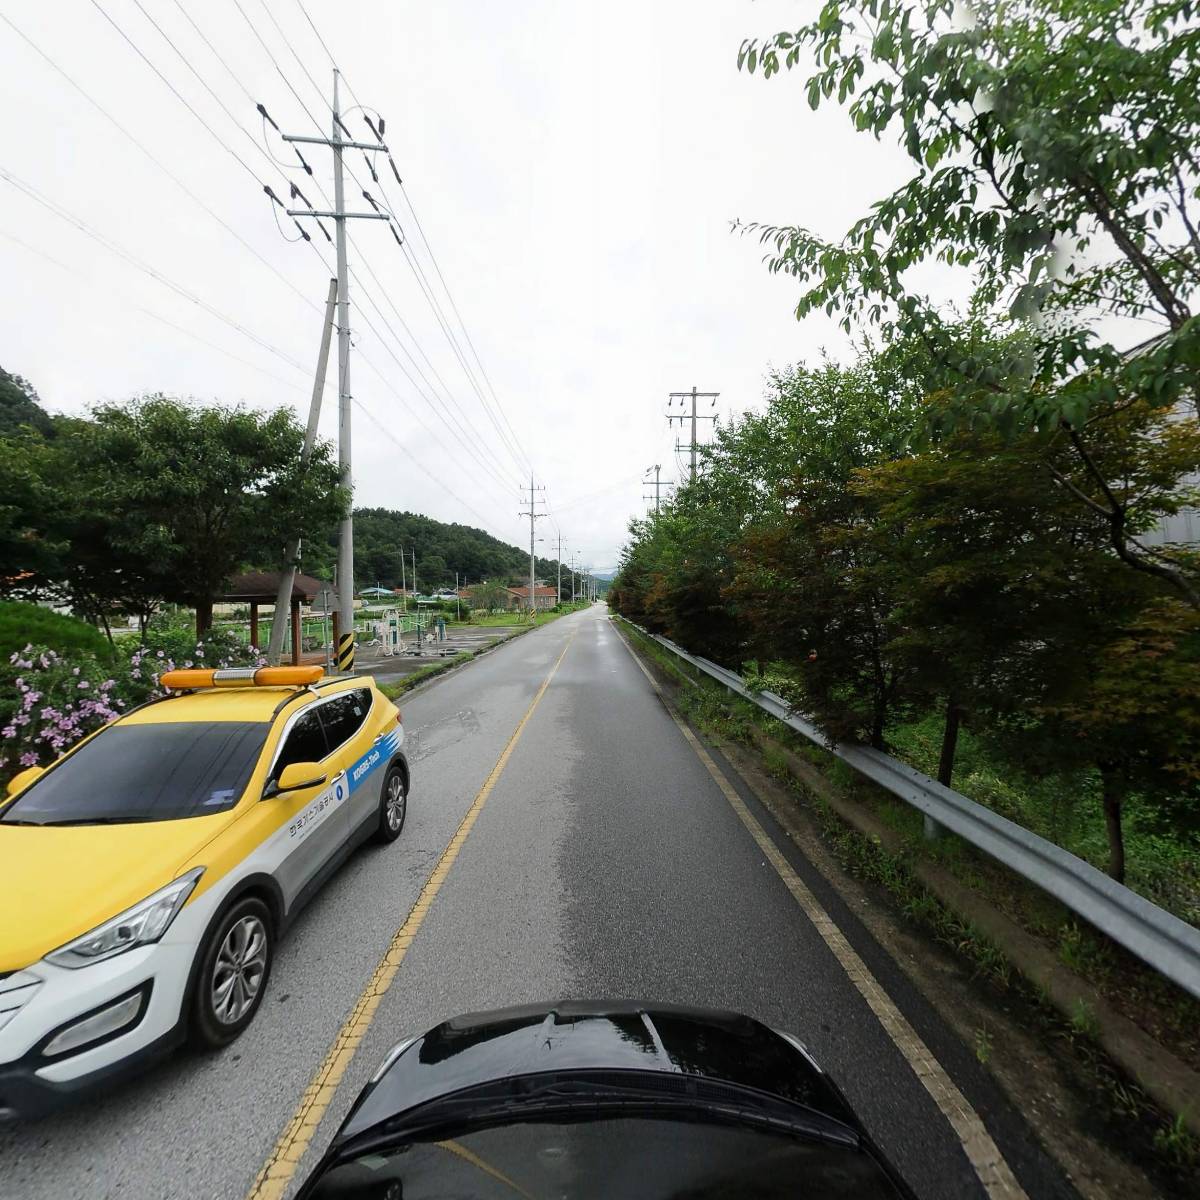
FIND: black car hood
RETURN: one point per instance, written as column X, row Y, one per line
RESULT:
column 595, row 1036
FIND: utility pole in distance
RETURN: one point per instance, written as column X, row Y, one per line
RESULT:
column 533, row 516
column 558, row 593
column 657, row 485
column 345, row 650
column 693, row 396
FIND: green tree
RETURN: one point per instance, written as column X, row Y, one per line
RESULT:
column 31, row 494
column 21, row 407
column 491, row 594
column 994, row 572
column 188, row 495
column 1054, row 145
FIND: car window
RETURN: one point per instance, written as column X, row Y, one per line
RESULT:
column 343, row 715
column 154, row 772
column 305, row 743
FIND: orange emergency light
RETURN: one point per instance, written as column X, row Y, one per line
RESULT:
column 192, row 678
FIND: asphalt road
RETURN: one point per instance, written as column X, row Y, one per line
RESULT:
column 605, row 862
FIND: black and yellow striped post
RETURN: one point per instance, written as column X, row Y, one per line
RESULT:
column 345, row 653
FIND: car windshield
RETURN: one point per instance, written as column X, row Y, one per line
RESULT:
column 153, row 772
column 647, row 1157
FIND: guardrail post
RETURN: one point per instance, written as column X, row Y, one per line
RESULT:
column 933, row 830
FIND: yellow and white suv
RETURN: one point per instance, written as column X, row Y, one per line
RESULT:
column 147, row 874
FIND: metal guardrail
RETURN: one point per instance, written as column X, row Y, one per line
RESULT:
column 1159, row 939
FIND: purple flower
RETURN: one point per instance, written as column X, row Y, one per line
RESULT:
column 28, row 759
column 83, row 685
column 160, row 654
column 9, row 731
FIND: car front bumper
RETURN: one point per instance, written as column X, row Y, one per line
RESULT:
column 43, row 1001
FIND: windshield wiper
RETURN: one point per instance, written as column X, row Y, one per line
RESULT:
column 88, row 821
column 495, row 1102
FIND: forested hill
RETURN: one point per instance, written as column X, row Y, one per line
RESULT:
column 442, row 549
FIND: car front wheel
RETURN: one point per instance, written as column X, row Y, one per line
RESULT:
column 233, row 974
column 393, row 804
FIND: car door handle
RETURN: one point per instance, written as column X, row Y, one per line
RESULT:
column 339, row 787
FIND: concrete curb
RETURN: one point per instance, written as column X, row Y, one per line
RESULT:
column 1174, row 1086
column 455, row 667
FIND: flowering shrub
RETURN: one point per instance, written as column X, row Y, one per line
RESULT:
column 48, row 702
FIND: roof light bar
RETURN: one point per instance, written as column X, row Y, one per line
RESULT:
column 234, row 677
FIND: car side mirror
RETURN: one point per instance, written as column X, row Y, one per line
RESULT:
column 295, row 777
column 20, row 781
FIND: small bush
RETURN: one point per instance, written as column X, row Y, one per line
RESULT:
column 24, row 625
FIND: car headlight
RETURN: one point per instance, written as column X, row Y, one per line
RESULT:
column 137, row 926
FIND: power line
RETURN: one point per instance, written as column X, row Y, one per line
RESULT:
column 463, row 435
column 114, row 248
column 299, row 61
column 208, row 128
column 462, row 323
column 191, row 333
column 332, row 60
column 212, row 133
column 509, row 440
column 274, row 62
column 187, row 191
column 216, row 53
column 177, row 94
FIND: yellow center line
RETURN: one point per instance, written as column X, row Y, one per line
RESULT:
column 984, row 1155
column 280, row 1167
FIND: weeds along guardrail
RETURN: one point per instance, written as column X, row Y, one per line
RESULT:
column 1157, row 937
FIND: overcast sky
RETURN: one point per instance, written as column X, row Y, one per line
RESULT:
column 575, row 166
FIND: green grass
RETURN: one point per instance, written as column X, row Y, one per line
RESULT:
column 491, row 620
column 393, row 690
column 1161, row 864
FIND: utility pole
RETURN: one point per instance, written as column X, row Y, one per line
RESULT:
column 693, row 396
column 336, row 142
column 283, row 597
column 558, row 592
column 403, row 584
column 657, row 485
column 533, row 516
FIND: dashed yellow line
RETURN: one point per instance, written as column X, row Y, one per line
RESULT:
column 984, row 1155
column 280, row 1167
